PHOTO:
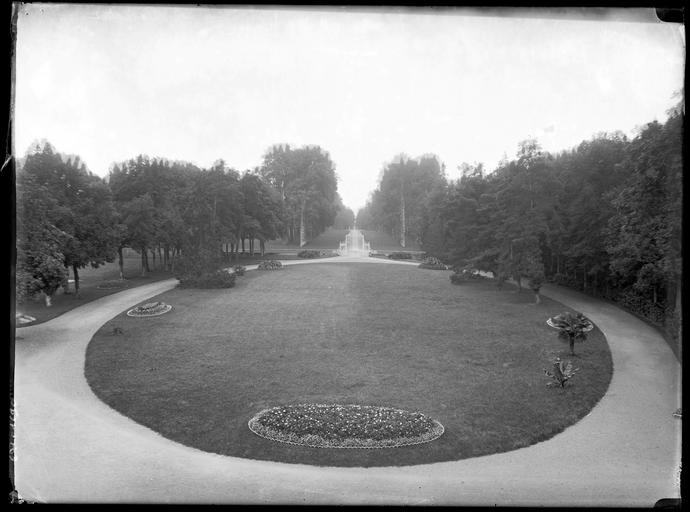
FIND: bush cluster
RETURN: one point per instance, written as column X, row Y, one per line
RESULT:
column 269, row 265
column 239, row 270
column 308, row 253
column 400, row 256
column 432, row 263
column 215, row 279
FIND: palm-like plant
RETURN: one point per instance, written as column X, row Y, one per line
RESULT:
column 571, row 327
column 562, row 372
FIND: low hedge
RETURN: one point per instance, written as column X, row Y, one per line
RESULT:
column 308, row 253
column 432, row 263
column 216, row 279
column 400, row 256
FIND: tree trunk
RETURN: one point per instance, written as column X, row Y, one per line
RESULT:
column 402, row 216
column 302, row 227
column 49, row 300
column 120, row 262
column 143, row 262
column 153, row 254
column 75, row 269
column 65, row 287
column 572, row 345
column 537, row 297
column 262, row 245
column 242, row 244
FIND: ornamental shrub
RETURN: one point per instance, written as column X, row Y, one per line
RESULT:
column 215, row 279
column 400, row 256
column 239, row 270
column 308, row 253
column 432, row 263
column 194, row 264
column 571, row 328
column 561, row 372
column 269, row 265
column 464, row 275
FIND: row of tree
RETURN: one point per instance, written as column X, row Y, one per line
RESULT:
column 68, row 218
column 604, row 217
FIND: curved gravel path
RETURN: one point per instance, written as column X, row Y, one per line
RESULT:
column 71, row 447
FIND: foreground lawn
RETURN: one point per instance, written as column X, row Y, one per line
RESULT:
column 469, row 356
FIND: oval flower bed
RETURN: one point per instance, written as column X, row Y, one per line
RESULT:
column 344, row 426
column 150, row 309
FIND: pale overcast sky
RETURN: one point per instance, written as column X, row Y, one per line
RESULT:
column 203, row 83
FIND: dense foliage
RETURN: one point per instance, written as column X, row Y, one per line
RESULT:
column 603, row 217
column 190, row 220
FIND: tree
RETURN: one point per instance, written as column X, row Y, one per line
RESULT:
column 40, row 263
column 306, row 181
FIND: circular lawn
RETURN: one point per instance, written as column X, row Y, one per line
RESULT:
column 470, row 356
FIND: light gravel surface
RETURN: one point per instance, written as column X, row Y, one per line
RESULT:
column 71, row 447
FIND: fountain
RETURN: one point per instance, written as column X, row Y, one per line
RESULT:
column 354, row 244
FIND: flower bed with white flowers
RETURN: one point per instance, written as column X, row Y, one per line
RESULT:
column 150, row 309
column 345, row 426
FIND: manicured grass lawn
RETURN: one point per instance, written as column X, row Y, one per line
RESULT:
column 470, row 356
column 89, row 281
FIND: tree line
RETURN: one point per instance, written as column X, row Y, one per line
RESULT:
column 604, row 217
column 68, row 218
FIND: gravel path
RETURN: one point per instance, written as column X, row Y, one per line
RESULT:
column 71, row 447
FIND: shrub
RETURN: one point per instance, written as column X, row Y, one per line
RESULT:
column 269, row 265
column 239, row 270
column 215, row 279
column 432, row 264
column 571, row 328
column 308, row 254
column 562, row 372
column 464, row 275
column 400, row 256
column 195, row 264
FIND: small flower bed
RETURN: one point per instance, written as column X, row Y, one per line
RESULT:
column 269, row 265
column 150, row 309
column 432, row 263
column 344, row 426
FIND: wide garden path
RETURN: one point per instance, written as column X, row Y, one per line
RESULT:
column 71, row 447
